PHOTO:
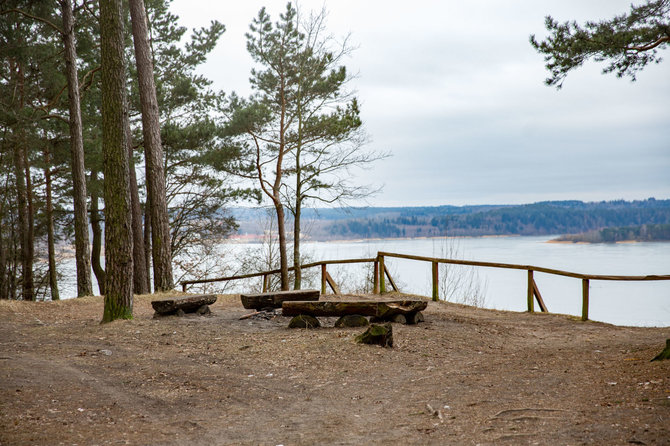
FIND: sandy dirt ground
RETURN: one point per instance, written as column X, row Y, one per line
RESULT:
column 464, row 376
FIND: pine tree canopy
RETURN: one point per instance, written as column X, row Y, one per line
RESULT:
column 626, row 42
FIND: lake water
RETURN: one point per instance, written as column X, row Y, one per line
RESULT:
column 621, row 303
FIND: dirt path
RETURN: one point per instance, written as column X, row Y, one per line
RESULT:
column 465, row 376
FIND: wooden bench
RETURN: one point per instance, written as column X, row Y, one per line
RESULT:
column 183, row 304
column 404, row 311
column 275, row 299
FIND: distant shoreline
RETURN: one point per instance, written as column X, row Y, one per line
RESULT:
column 257, row 239
column 620, row 242
column 252, row 238
column 621, row 234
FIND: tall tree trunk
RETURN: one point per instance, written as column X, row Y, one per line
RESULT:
column 297, row 211
column 13, row 270
column 140, row 278
column 23, row 221
column 160, row 229
column 118, row 218
column 20, row 164
column 29, row 259
column 4, row 278
column 297, row 282
column 81, row 241
column 147, row 241
column 53, row 273
column 281, row 229
column 4, row 284
column 96, row 249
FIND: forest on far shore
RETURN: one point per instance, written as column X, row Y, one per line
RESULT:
column 543, row 218
column 642, row 233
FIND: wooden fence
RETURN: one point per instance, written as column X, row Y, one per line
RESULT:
column 326, row 279
column 381, row 275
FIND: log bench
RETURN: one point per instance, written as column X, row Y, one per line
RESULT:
column 183, row 304
column 404, row 311
column 275, row 299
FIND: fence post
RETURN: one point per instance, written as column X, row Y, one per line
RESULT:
column 585, row 299
column 436, row 285
column 183, row 287
column 323, row 278
column 382, row 279
column 531, row 301
column 375, row 277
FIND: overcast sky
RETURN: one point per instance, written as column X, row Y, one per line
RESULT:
column 455, row 92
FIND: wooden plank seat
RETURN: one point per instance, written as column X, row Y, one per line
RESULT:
column 275, row 299
column 389, row 310
column 183, row 304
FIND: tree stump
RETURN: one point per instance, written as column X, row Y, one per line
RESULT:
column 665, row 354
column 414, row 318
column 399, row 318
column 304, row 321
column 352, row 320
column 204, row 310
column 377, row 334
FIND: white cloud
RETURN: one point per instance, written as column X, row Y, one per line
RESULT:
column 456, row 92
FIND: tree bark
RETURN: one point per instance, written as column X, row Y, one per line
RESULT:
column 96, row 249
column 82, row 254
column 140, row 279
column 118, row 218
column 160, row 230
column 53, row 273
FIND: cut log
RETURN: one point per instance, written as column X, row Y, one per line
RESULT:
column 275, row 299
column 187, row 304
column 377, row 334
column 384, row 310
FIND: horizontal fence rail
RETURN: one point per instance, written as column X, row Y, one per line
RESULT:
column 381, row 275
column 533, row 291
column 266, row 274
column 539, row 269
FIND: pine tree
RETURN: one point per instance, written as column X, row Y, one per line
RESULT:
column 118, row 219
column 300, row 132
column 153, row 150
column 628, row 42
